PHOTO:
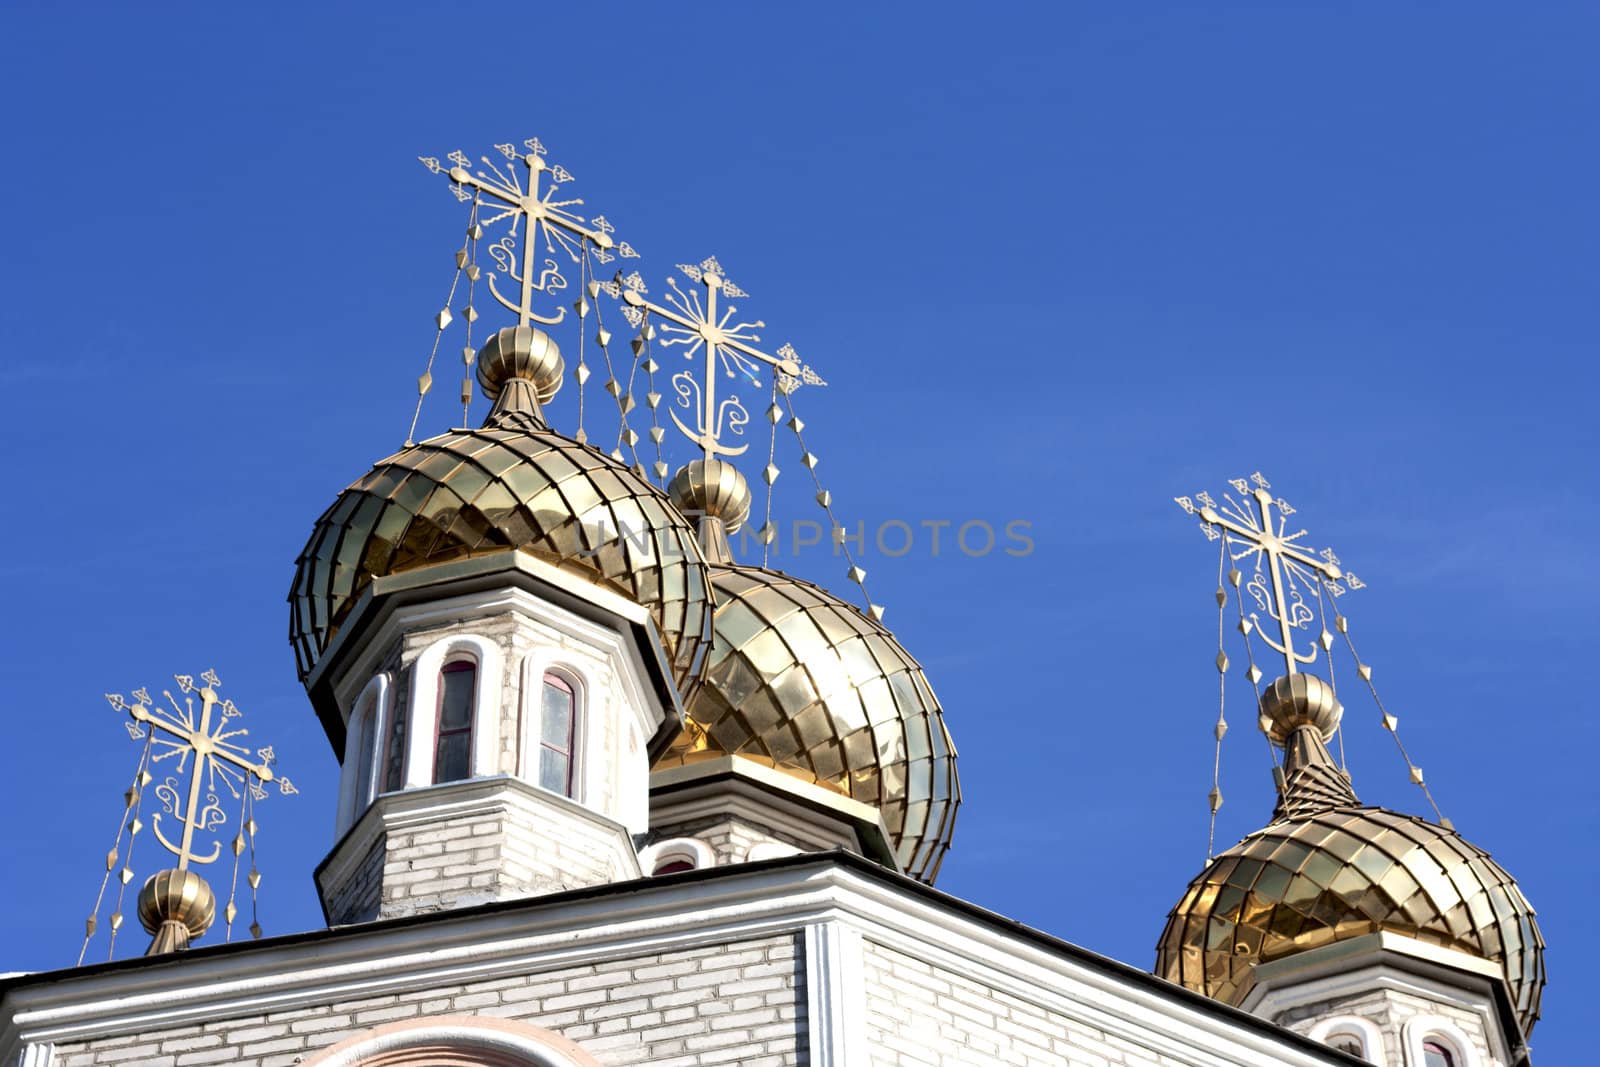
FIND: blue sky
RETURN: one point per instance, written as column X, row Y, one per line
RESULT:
column 1058, row 264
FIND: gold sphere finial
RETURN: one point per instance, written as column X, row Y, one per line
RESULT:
column 713, row 488
column 521, row 352
column 1297, row 700
column 176, row 907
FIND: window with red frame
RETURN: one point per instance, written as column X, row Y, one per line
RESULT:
column 558, row 720
column 452, row 747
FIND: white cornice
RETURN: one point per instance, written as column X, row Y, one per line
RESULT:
column 640, row 918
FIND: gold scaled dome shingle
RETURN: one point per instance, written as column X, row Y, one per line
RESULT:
column 803, row 681
column 1328, row 868
column 511, row 484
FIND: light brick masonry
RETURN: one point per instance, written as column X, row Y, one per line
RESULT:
column 741, row 1003
column 921, row 1016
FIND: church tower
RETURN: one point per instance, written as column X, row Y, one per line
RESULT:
column 543, row 671
column 1382, row 934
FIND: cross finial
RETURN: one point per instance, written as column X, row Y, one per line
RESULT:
column 522, row 187
column 196, row 739
column 1286, row 577
column 699, row 321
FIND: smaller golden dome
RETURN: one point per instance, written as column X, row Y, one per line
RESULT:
column 1328, row 868
column 1297, row 700
column 520, row 353
column 801, row 681
column 714, row 489
column 176, row 907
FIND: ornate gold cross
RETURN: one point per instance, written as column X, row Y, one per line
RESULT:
column 542, row 220
column 1287, row 576
column 707, row 327
column 204, row 746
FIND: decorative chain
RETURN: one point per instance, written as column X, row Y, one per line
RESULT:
column 625, row 403
column 809, row 461
column 468, row 353
column 774, row 415
column 1390, row 722
column 643, row 353
column 442, row 320
column 129, row 821
column 1215, row 796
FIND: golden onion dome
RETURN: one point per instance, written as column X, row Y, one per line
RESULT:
column 512, row 484
column 1328, row 868
column 802, row 681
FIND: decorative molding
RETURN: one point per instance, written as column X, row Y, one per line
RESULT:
column 1364, row 1030
column 376, row 699
column 836, row 996
column 1420, row 1028
column 645, row 918
column 488, row 700
column 455, row 1041
column 1393, row 963
column 691, row 849
column 590, row 614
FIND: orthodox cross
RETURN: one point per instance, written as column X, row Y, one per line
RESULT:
column 704, row 326
column 543, row 221
column 1287, row 576
column 204, row 745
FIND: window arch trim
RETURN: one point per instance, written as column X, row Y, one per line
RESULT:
column 375, row 703
column 424, row 710
column 691, row 850
column 530, row 724
column 1423, row 1028
column 1363, row 1030
column 455, row 1041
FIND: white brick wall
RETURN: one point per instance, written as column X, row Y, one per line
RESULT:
column 469, row 842
column 921, row 1016
column 738, row 1003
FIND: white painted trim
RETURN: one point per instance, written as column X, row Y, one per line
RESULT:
column 488, row 700
column 651, row 918
column 769, row 850
column 376, row 700
column 40, row 1054
column 1433, row 975
column 692, row 849
column 737, row 800
column 836, row 996
column 458, row 610
column 1420, row 1028
column 1363, row 1030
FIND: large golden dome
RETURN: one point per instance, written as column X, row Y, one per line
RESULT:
column 1328, row 868
column 511, row 484
column 803, row 681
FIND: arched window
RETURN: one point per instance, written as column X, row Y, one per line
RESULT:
column 1437, row 1054
column 359, row 781
column 366, row 742
column 676, row 854
column 673, row 867
column 452, row 748
column 558, row 723
column 1347, row 1043
column 1434, row 1041
column 1352, row 1034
